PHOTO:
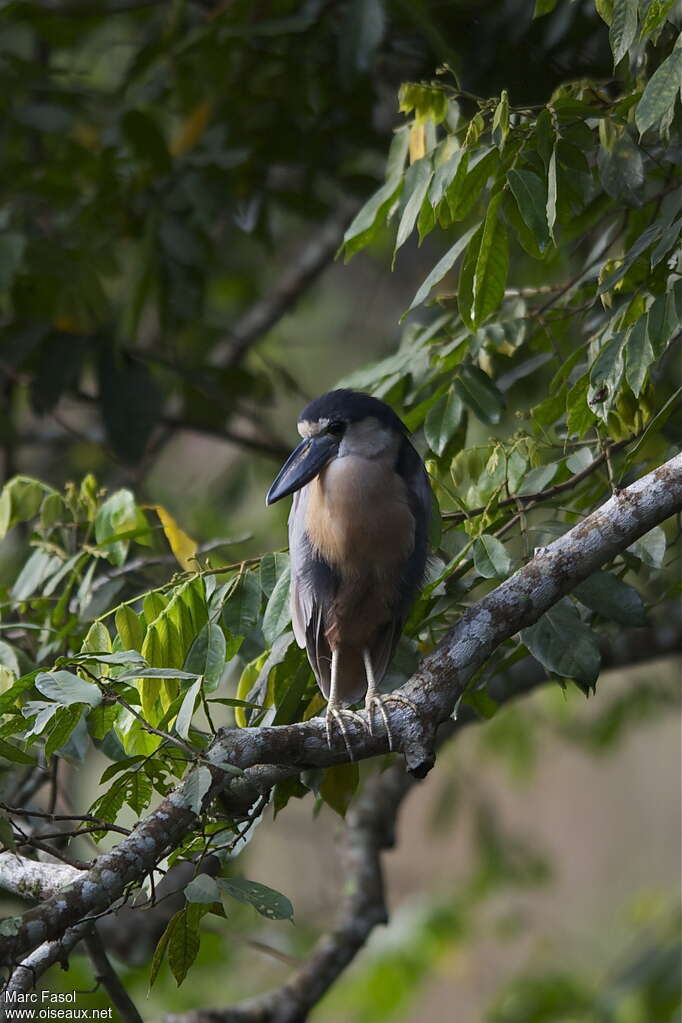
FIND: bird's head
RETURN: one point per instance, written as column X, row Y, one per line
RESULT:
column 338, row 423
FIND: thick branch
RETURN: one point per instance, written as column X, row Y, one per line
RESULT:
column 33, row 879
column 27, row 973
column 434, row 690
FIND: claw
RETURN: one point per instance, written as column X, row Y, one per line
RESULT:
column 336, row 714
column 375, row 700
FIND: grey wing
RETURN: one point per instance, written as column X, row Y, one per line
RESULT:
column 420, row 498
column 313, row 586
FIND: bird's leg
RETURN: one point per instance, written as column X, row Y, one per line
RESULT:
column 375, row 699
column 335, row 711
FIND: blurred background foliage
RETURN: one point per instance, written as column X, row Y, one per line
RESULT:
column 178, row 178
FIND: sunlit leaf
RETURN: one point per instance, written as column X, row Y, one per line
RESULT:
column 183, row 546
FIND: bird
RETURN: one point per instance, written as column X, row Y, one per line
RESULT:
column 358, row 546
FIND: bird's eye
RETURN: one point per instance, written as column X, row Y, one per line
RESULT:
column 336, row 428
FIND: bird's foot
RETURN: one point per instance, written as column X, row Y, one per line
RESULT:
column 375, row 700
column 335, row 714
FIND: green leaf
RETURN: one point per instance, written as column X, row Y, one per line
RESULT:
column 442, row 267
column 13, row 753
column 580, row 416
column 271, row 567
column 466, row 189
column 339, row 785
column 361, row 33
column 184, row 939
column 621, row 170
column 551, row 193
column 661, row 91
column 564, row 645
column 500, row 125
column 650, row 548
column 543, row 7
column 37, row 570
column 367, row 222
column 277, row 614
column 64, row 722
column 130, row 401
column 428, row 102
column 8, row 658
column 605, row 377
column 202, row 888
column 184, row 718
column 656, row 13
column 531, row 198
column 5, row 512
column 12, row 246
column 144, row 136
column 207, row 655
column 623, row 28
column 240, row 613
column 117, row 515
column 66, row 688
column 268, row 902
column 128, row 676
column 537, row 479
column 442, row 421
column 480, row 394
column 160, row 953
column 125, row 657
column 194, row 787
column 638, row 356
column 662, row 322
column 610, row 597
column 417, row 181
column 6, row 834
column 492, row 264
column 491, row 560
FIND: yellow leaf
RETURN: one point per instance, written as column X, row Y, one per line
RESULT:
column 183, row 546
column 191, row 129
column 417, row 141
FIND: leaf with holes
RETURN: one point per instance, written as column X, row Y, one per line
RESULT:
column 268, row 902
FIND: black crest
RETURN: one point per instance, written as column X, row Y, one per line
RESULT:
column 350, row 407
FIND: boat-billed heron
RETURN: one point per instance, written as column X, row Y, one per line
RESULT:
column 358, row 533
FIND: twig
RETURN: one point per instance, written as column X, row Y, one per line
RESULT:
column 548, row 492
column 108, row 978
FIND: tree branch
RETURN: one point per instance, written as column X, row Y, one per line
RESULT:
column 315, row 255
column 370, row 828
column 32, row 879
column 434, row 690
column 108, row 978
